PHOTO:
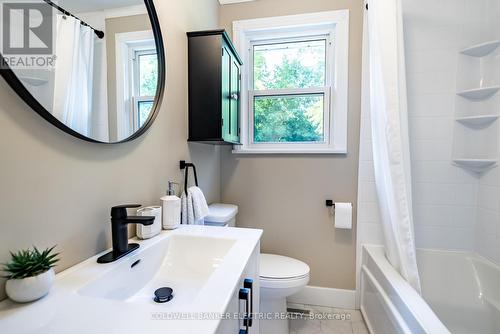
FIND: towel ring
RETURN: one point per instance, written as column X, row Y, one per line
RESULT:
column 185, row 165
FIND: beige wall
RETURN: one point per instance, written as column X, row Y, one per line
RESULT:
column 57, row 190
column 285, row 195
column 115, row 26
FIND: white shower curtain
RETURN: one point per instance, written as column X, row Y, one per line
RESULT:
column 74, row 67
column 389, row 120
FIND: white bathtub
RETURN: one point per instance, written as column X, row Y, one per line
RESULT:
column 461, row 294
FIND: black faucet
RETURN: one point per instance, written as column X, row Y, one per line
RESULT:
column 119, row 231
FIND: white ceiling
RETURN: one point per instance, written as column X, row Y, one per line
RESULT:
column 79, row 6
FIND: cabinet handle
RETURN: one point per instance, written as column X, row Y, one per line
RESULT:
column 234, row 97
column 243, row 295
column 248, row 284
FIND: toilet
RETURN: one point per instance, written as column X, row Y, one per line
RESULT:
column 280, row 276
column 221, row 215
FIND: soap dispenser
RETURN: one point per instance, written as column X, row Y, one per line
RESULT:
column 171, row 208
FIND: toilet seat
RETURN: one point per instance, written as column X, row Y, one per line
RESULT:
column 278, row 271
column 283, row 283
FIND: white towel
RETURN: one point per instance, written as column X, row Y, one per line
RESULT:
column 200, row 207
column 187, row 215
column 194, row 206
column 184, row 208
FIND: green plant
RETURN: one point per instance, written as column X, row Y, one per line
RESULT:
column 29, row 263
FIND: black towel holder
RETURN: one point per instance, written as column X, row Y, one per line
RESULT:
column 185, row 165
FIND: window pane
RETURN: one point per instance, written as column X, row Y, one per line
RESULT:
column 144, row 111
column 290, row 65
column 294, row 118
column 148, row 74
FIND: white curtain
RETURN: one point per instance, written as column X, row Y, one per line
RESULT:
column 73, row 74
column 389, row 120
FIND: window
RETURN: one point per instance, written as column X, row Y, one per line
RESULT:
column 136, row 79
column 145, row 81
column 289, row 88
column 142, row 109
column 294, row 87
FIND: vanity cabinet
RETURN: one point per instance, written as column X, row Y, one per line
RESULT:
column 214, row 88
column 238, row 305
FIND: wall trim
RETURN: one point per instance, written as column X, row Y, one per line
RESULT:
column 228, row 2
column 328, row 297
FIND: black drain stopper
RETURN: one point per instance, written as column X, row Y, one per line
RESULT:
column 163, row 295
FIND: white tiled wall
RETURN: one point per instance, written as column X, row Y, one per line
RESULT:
column 488, row 218
column 369, row 230
column 488, row 205
column 445, row 197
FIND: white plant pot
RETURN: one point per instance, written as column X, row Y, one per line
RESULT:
column 31, row 288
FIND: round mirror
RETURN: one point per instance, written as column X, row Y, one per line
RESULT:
column 93, row 68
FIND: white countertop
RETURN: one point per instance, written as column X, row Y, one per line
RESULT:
column 67, row 310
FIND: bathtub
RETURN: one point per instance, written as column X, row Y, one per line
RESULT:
column 461, row 294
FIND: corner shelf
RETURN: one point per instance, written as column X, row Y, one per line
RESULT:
column 477, row 121
column 479, row 93
column 476, row 129
column 481, row 50
column 476, row 165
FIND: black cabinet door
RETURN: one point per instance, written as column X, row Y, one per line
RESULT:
column 234, row 114
column 231, row 87
column 226, row 94
column 214, row 88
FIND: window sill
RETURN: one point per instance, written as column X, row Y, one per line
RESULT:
column 288, row 151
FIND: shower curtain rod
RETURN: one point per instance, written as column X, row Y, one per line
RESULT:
column 98, row 33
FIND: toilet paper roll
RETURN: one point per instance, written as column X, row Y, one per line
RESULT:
column 343, row 216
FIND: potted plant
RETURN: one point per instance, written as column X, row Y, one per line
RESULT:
column 30, row 274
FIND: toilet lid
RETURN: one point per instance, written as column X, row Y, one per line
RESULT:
column 221, row 213
column 278, row 267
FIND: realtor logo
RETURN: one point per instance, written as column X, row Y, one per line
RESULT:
column 27, row 28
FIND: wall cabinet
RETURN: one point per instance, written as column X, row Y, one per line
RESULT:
column 214, row 88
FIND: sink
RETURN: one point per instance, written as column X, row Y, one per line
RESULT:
column 203, row 265
column 182, row 262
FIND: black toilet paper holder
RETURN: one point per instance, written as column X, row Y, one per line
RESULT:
column 329, row 203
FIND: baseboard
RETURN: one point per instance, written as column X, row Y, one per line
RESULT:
column 328, row 297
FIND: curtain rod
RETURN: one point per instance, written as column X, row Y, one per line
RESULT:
column 98, row 33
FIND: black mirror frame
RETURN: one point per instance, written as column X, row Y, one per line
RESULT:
column 15, row 83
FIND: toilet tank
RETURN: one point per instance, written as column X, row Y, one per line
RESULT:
column 221, row 215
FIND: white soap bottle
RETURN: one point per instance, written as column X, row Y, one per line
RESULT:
column 171, row 208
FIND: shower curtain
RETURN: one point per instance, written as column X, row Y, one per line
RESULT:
column 74, row 67
column 387, row 103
